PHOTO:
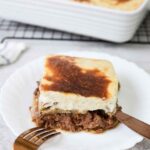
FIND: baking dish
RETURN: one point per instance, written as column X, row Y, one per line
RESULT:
column 103, row 23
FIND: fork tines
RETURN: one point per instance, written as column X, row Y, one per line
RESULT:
column 33, row 138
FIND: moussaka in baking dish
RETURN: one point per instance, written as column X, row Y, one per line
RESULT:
column 127, row 5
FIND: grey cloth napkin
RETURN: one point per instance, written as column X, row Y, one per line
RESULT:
column 10, row 52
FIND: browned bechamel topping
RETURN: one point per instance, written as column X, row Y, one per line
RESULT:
column 69, row 78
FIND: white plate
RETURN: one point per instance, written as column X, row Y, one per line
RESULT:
column 134, row 97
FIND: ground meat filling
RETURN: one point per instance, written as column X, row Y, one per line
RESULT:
column 96, row 121
column 91, row 121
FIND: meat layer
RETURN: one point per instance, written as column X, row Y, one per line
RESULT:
column 95, row 121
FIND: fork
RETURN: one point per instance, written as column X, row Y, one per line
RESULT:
column 33, row 138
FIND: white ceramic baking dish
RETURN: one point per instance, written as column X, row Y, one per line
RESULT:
column 107, row 24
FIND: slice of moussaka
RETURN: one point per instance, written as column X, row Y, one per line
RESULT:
column 76, row 94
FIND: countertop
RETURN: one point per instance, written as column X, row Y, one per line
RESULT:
column 140, row 54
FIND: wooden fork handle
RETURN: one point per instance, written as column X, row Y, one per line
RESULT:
column 134, row 124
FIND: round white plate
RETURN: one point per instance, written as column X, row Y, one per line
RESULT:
column 16, row 97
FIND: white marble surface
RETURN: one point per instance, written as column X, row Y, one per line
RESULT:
column 140, row 54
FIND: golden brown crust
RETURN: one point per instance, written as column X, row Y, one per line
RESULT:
column 67, row 77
